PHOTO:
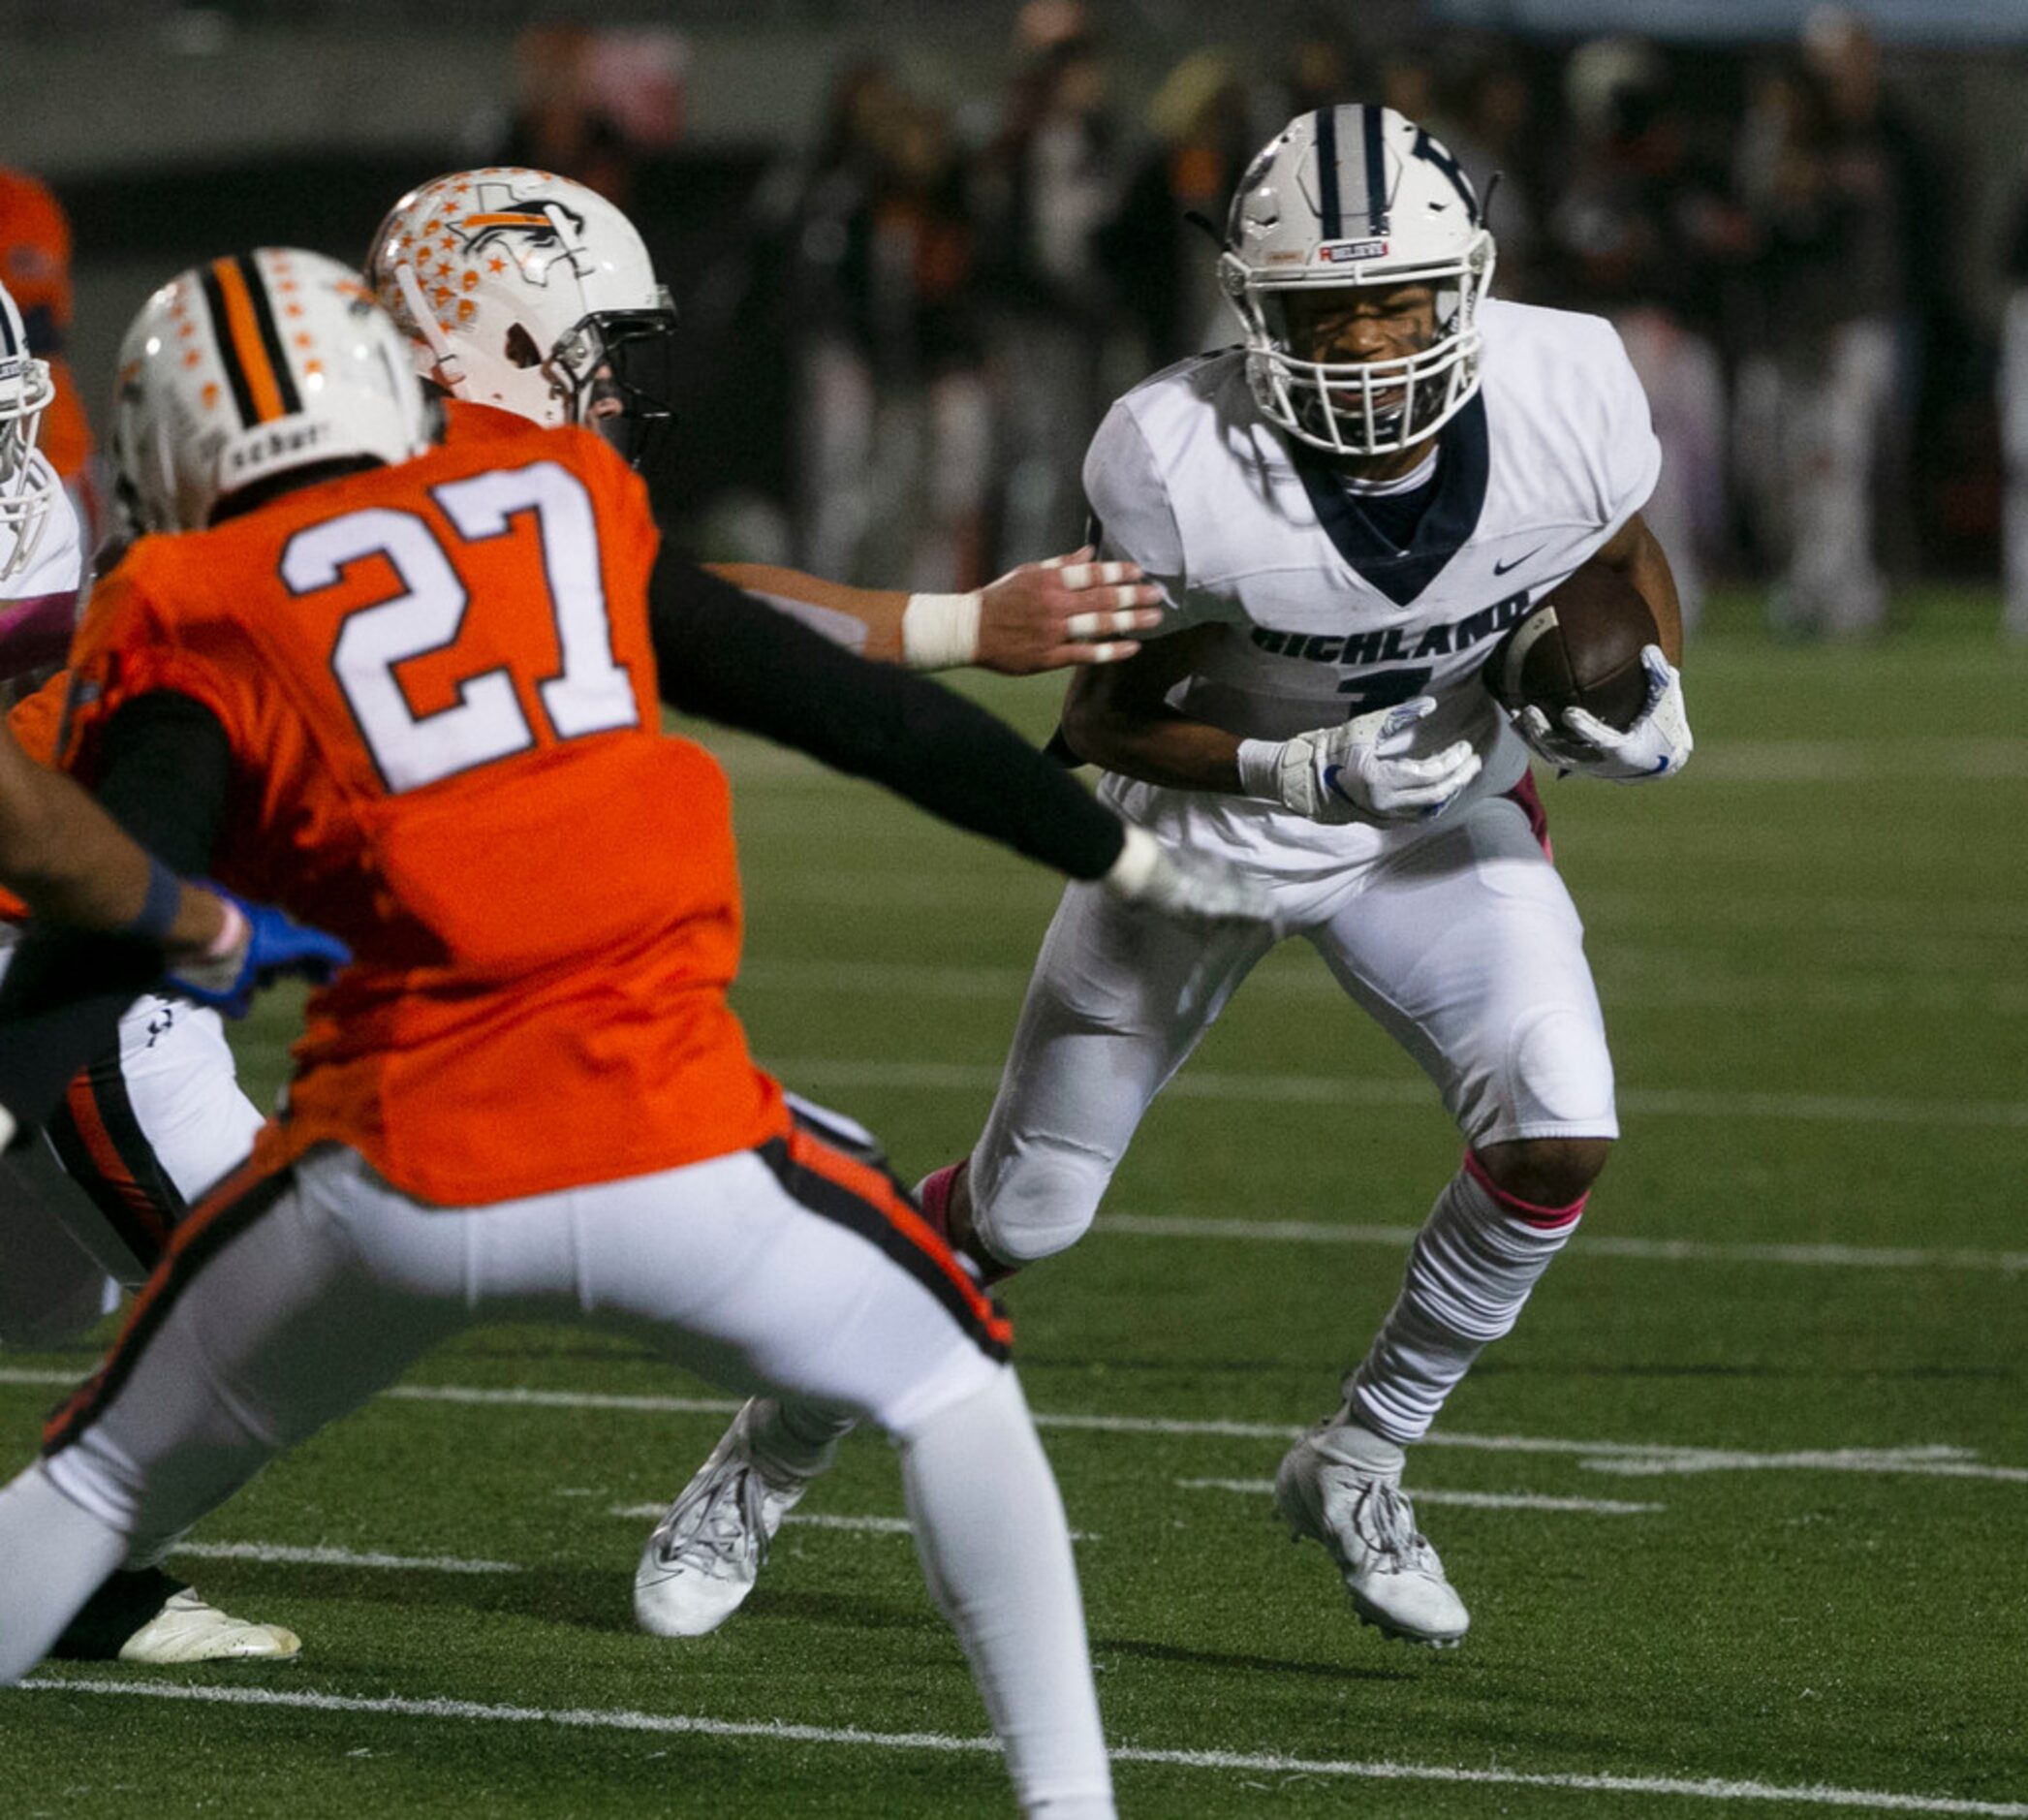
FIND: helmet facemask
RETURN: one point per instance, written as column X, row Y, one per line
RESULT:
column 618, row 368
column 1366, row 407
column 1360, row 200
column 27, row 488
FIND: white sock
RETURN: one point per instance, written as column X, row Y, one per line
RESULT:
column 56, row 1557
column 996, row 1552
column 1479, row 1254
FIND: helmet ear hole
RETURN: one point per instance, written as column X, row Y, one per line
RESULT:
column 521, row 349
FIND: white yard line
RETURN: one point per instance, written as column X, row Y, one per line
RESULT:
column 1333, row 1089
column 1267, row 1763
column 1599, row 1245
column 1924, row 1461
column 818, row 1519
column 340, row 1557
column 1472, row 1500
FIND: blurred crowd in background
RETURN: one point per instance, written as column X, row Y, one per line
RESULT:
column 902, row 334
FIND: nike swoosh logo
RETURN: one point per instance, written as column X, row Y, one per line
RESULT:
column 1332, row 773
column 1501, row 568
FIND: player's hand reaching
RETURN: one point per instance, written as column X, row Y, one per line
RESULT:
column 1657, row 745
column 1345, row 774
column 1194, row 887
column 258, row 946
column 1044, row 616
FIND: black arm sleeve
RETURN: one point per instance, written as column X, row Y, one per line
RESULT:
column 164, row 777
column 724, row 655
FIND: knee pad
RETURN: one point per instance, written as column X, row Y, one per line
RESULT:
column 1040, row 1201
column 1559, row 1073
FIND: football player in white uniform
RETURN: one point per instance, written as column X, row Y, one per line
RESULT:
column 1346, row 512
column 525, row 292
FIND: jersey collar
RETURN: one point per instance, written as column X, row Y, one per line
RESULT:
column 1446, row 524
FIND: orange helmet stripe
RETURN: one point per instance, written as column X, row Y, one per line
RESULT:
column 245, row 345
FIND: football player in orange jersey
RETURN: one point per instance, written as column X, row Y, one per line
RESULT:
column 523, row 292
column 156, row 1117
column 426, row 683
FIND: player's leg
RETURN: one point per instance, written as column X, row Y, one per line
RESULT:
column 2014, row 443
column 52, row 1290
column 804, row 1269
column 1117, row 1004
column 705, row 1553
column 1498, row 1006
column 145, row 1131
column 268, row 1318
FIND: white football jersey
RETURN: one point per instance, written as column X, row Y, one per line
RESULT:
column 1321, row 615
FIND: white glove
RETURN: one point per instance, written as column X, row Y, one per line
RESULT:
column 1194, row 887
column 1338, row 773
column 1657, row 745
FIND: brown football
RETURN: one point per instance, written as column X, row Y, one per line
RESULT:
column 1578, row 646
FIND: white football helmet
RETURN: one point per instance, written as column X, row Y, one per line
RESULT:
column 1357, row 196
column 531, row 293
column 250, row 367
column 27, row 485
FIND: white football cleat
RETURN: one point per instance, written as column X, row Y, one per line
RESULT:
column 188, row 1630
column 1366, row 1521
column 711, row 1546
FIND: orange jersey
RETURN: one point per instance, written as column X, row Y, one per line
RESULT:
column 439, row 691
column 36, row 722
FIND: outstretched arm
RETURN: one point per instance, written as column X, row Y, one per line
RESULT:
column 1042, row 616
column 68, row 860
column 719, row 654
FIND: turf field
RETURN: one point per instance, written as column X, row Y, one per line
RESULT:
column 1740, row 1510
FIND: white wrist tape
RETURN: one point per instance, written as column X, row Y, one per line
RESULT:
column 1141, row 853
column 940, row 631
column 1260, row 769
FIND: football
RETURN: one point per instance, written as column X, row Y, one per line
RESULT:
column 1578, row 646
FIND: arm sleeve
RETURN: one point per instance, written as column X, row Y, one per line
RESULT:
column 721, row 654
column 166, row 765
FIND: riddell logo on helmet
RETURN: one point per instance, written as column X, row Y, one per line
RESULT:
column 1344, row 252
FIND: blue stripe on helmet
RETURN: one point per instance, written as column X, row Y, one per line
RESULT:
column 1376, row 174
column 1328, row 173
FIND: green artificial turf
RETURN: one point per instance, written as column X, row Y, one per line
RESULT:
column 1811, row 950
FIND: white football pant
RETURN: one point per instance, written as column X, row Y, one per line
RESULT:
column 287, row 1303
column 1464, row 946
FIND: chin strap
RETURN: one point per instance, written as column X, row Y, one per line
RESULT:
column 448, row 374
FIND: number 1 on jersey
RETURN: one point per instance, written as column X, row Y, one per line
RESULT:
column 591, row 691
